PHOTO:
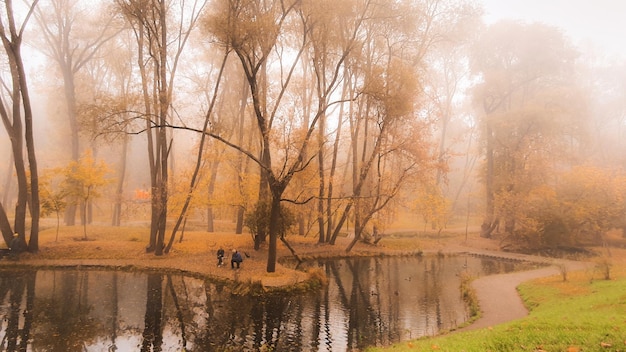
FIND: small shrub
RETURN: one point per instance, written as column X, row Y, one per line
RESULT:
column 604, row 266
column 318, row 276
column 258, row 221
column 469, row 295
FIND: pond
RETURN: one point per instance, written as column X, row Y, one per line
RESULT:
column 368, row 301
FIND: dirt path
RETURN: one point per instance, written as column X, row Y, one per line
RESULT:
column 498, row 298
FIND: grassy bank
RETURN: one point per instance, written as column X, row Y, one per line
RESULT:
column 582, row 314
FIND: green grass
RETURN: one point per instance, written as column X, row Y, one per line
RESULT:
column 578, row 315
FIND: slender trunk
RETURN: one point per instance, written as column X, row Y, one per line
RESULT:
column 264, row 194
column 321, row 175
column 84, row 220
column 274, row 223
column 333, row 165
column 489, row 223
column 240, row 168
column 210, row 192
column 69, row 91
column 141, row 63
column 119, row 190
column 8, row 182
column 19, row 225
column 306, row 117
column 163, row 147
column 5, row 226
column 260, row 100
column 241, row 209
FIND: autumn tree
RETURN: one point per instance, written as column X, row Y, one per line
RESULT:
column 200, row 160
column 74, row 32
column 104, row 110
column 17, row 117
column 161, row 31
column 389, row 132
column 443, row 101
column 254, row 30
column 606, row 85
column 83, row 181
column 52, row 197
column 334, row 35
column 577, row 210
column 529, row 111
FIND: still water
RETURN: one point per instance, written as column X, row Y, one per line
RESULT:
column 368, row 301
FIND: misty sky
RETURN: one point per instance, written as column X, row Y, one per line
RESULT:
column 597, row 24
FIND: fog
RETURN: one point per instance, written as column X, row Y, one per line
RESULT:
column 592, row 26
column 433, row 111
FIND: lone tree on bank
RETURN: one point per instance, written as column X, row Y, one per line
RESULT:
column 18, row 122
column 254, row 31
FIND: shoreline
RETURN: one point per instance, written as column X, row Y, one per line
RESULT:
column 284, row 279
column 496, row 295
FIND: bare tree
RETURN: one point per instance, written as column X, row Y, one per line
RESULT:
column 253, row 30
column 159, row 50
column 64, row 25
column 17, row 117
column 106, row 114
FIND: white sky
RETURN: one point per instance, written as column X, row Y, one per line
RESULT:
column 596, row 24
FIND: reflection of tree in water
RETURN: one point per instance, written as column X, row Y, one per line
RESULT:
column 250, row 323
column 369, row 301
column 152, row 335
column 491, row 266
column 359, row 293
column 389, row 299
column 186, row 303
column 12, row 297
column 65, row 313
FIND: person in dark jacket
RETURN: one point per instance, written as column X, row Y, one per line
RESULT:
column 220, row 257
column 236, row 258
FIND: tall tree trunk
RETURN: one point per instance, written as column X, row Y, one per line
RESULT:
column 265, row 156
column 489, row 222
column 119, row 189
column 346, row 91
column 8, row 184
column 147, row 101
column 163, row 145
column 321, row 174
column 18, row 133
column 70, row 103
column 210, row 192
column 277, row 192
column 241, row 165
column 306, row 117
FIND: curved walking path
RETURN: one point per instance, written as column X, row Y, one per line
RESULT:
column 497, row 295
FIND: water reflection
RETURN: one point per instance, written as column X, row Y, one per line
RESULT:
column 369, row 301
